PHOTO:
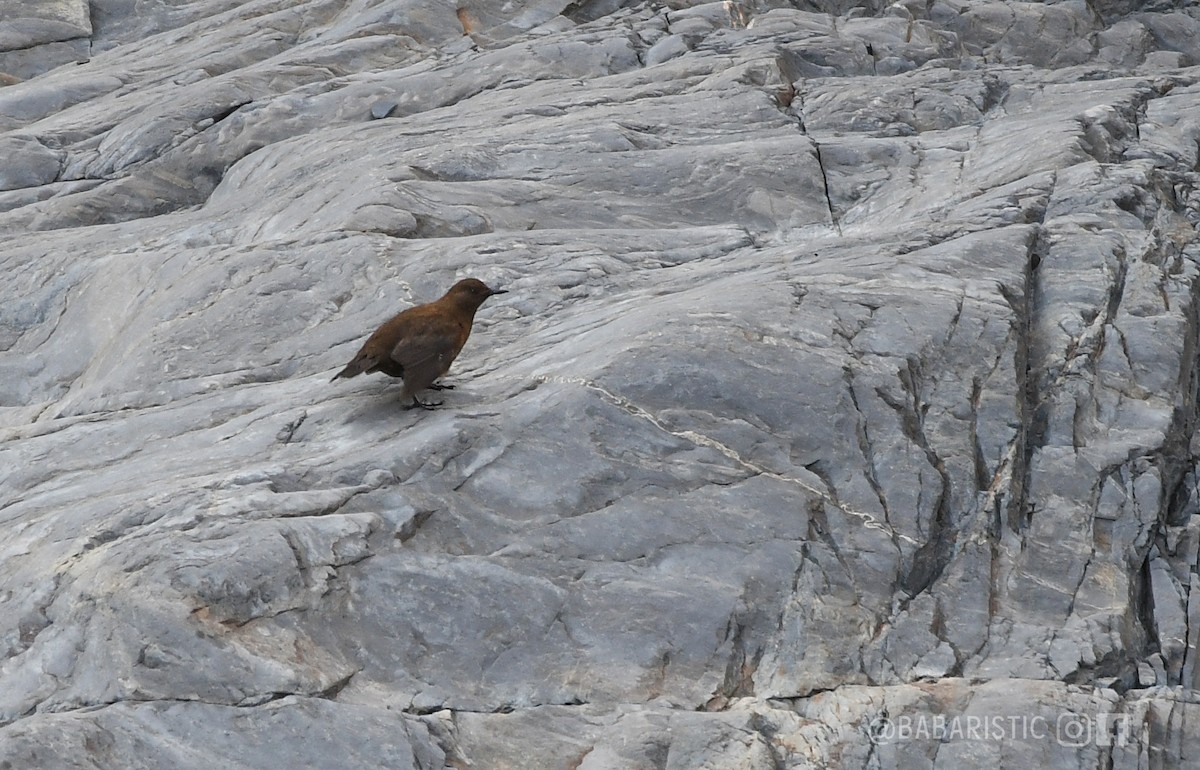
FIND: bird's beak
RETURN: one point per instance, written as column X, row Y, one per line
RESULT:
column 499, row 291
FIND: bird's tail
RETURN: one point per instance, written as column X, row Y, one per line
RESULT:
column 353, row 369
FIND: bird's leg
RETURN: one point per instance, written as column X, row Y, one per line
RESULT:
column 441, row 386
column 422, row 404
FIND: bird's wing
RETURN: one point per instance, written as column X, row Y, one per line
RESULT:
column 427, row 340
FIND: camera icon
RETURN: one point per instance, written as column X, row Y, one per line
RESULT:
column 1073, row 730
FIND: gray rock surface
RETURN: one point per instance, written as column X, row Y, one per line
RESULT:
column 841, row 411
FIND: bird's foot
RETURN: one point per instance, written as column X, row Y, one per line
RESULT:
column 441, row 386
column 423, row 404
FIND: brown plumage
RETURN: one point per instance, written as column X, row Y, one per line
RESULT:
column 419, row 344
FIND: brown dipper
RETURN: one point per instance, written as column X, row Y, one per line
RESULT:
column 419, row 344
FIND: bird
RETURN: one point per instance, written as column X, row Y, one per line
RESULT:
column 419, row 344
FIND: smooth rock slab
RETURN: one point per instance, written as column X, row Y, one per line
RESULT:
column 29, row 163
column 25, row 25
column 846, row 371
column 295, row 732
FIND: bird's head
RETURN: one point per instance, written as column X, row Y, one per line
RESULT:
column 470, row 293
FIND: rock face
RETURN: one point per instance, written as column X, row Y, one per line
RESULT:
column 840, row 413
